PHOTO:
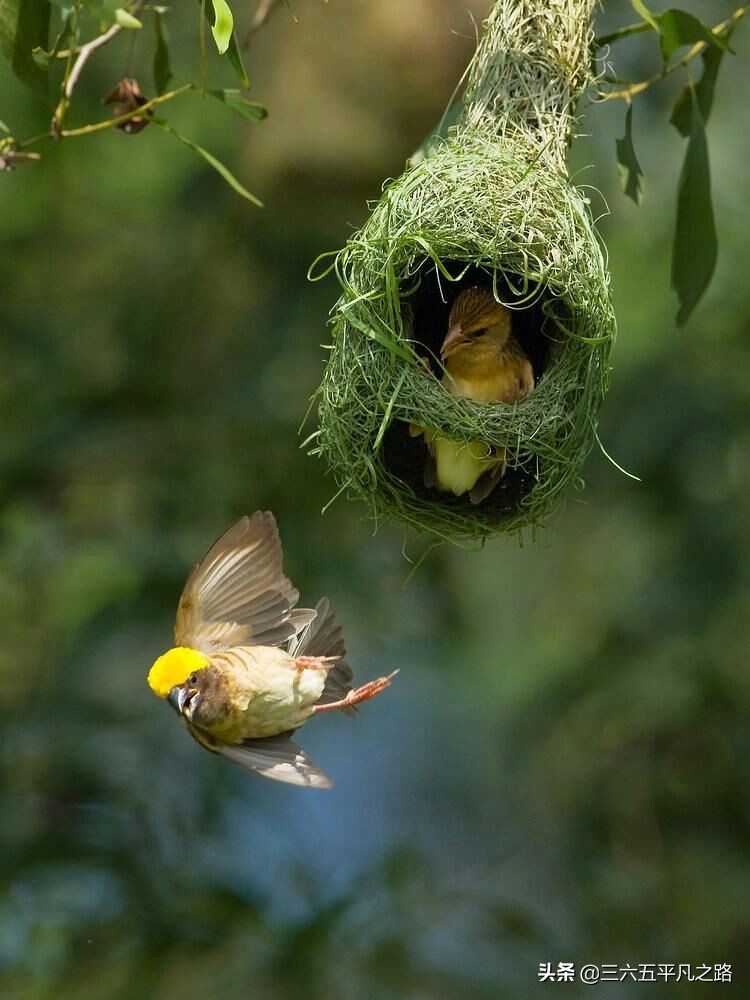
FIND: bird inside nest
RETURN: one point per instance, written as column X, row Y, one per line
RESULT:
column 485, row 362
column 248, row 667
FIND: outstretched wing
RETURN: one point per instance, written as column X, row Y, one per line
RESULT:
column 323, row 637
column 238, row 595
column 275, row 757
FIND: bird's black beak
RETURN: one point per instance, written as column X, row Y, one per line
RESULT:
column 177, row 698
column 453, row 339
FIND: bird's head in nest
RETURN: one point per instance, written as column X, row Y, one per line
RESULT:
column 476, row 318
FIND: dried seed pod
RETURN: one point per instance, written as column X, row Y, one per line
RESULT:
column 127, row 97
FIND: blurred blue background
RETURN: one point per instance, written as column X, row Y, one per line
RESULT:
column 560, row 772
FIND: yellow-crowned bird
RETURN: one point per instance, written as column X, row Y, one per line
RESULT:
column 248, row 667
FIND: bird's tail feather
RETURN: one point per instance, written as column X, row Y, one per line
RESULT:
column 323, row 637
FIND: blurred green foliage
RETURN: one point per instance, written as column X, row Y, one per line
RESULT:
column 561, row 771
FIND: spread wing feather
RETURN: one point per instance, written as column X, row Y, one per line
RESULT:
column 275, row 757
column 238, row 594
column 323, row 637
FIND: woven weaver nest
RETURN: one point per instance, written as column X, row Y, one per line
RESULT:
column 492, row 206
column 475, row 213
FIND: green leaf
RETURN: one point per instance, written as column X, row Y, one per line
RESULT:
column 235, row 57
column 24, row 26
column 615, row 36
column 162, row 69
column 235, row 100
column 42, row 58
column 126, row 20
column 46, row 59
column 233, row 53
column 223, row 26
column 704, row 93
column 678, row 27
column 642, row 11
column 631, row 175
column 695, row 247
column 217, row 165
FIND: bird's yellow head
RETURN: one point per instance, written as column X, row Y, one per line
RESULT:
column 476, row 314
column 173, row 668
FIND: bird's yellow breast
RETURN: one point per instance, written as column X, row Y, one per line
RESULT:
column 491, row 384
column 267, row 692
column 458, row 466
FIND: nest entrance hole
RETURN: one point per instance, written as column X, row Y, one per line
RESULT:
column 431, row 303
column 429, row 306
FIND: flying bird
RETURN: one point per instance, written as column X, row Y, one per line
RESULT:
column 248, row 667
column 485, row 362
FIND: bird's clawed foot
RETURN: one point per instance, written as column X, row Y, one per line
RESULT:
column 363, row 693
column 315, row 662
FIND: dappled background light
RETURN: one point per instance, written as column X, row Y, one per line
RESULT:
column 560, row 771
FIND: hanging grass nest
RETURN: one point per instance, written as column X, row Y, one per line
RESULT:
column 492, row 205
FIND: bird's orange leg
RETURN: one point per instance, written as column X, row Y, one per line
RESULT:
column 315, row 662
column 368, row 690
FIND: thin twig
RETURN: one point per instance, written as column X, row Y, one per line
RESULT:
column 629, row 92
column 84, row 54
column 89, row 48
column 109, row 122
column 62, row 105
column 202, row 41
column 120, row 119
column 39, row 137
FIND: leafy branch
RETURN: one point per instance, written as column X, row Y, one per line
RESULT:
column 720, row 33
column 695, row 246
column 83, row 28
column 75, row 67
